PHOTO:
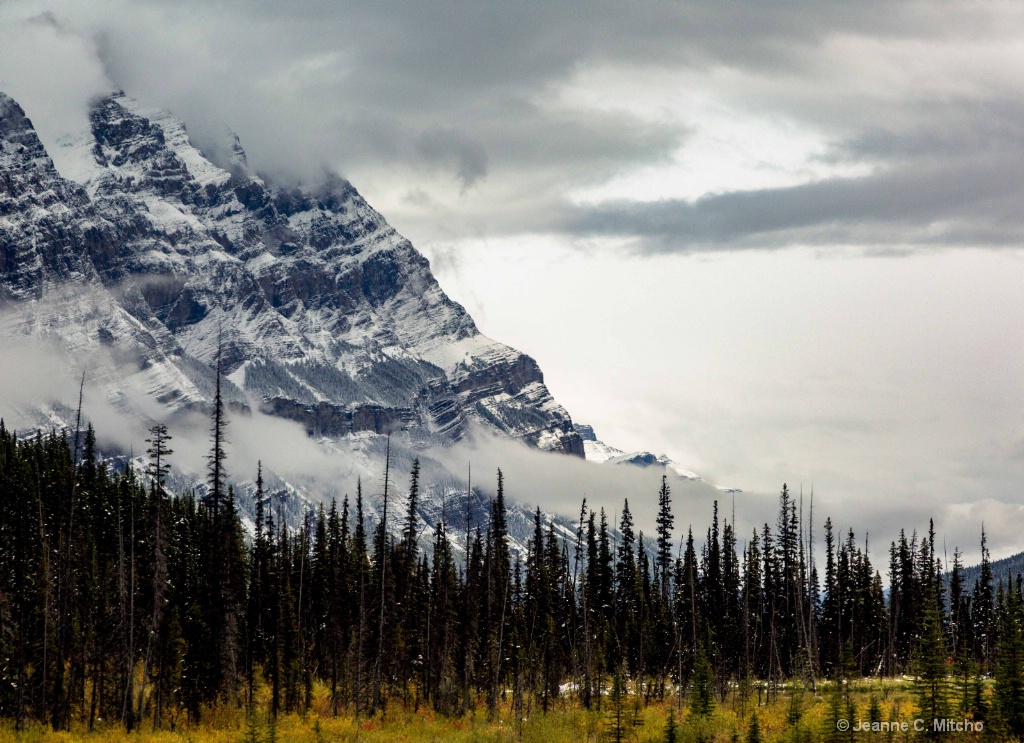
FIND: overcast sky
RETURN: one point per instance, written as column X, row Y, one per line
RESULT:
column 776, row 241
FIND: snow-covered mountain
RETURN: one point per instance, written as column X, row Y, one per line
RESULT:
column 322, row 312
column 596, row 450
column 146, row 253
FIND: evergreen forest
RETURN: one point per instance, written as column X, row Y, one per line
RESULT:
column 122, row 603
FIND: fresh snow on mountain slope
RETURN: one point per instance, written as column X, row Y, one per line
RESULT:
column 601, row 453
column 144, row 261
column 647, row 459
column 598, row 451
column 595, row 450
column 150, row 261
column 320, row 311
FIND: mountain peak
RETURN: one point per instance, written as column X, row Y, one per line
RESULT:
column 321, row 312
column 600, row 452
column 12, row 117
column 19, row 139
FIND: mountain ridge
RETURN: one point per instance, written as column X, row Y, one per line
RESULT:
column 334, row 320
column 157, row 261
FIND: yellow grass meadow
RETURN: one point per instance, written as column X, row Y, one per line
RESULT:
column 793, row 713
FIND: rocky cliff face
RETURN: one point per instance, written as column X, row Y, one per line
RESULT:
column 322, row 312
column 41, row 214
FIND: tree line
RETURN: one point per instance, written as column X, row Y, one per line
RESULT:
column 119, row 601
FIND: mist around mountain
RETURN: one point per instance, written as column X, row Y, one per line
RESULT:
column 147, row 262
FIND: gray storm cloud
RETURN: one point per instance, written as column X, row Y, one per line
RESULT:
column 452, row 148
column 973, row 203
column 477, row 91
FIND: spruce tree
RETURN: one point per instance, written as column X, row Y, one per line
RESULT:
column 625, row 603
column 216, row 475
column 702, row 695
column 983, row 617
column 664, row 522
column 754, row 730
column 381, row 555
column 157, row 470
column 617, row 720
column 410, row 528
column 932, row 683
column 256, row 606
column 836, row 712
column 671, row 727
column 499, row 567
column 1009, row 671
